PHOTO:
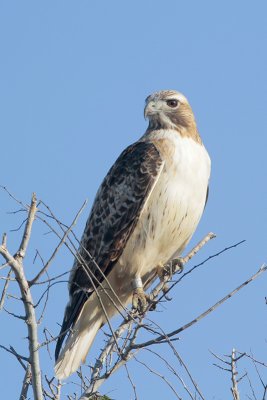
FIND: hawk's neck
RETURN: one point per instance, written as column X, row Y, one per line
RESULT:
column 189, row 132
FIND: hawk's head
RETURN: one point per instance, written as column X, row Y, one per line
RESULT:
column 169, row 109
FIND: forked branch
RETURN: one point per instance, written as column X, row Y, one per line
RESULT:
column 16, row 264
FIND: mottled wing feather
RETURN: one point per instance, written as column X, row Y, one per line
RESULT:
column 114, row 215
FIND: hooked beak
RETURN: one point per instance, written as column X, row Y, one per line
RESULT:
column 150, row 109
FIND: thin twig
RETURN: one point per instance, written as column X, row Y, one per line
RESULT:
column 14, row 353
column 262, row 269
column 211, row 236
column 172, row 369
column 44, row 269
column 161, row 377
column 179, row 358
column 63, row 227
column 131, row 382
column 2, row 301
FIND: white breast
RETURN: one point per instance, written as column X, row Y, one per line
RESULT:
column 174, row 207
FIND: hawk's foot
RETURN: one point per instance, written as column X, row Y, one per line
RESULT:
column 166, row 272
column 140, row 300
column 174, row 266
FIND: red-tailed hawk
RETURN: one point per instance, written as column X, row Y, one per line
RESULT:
column 144, row 214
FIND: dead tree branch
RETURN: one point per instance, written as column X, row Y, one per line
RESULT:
column 26, row 383
column 62, row 240
column 16, row 264
column 234, row 388
column 122, row 343
column 128, row 351
column 4, row 292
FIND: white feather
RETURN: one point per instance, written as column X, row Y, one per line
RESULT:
column 80, row 340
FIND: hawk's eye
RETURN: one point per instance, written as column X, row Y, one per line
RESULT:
column 172, row 103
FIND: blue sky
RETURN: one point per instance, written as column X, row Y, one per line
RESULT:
column 73, row 79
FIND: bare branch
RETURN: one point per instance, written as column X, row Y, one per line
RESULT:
column 15, row 315
column 16, row 263
column 162, row 377
column 40, row 273
column 131, row 381
column 55, row 389
column 24, row 207
column 209, row 236
column 14, row 353
column 262, row 269
column 184, row 260
column 26, row 383
column 126, row 352
column 252, row 358
column 5, row 289
column 27, row 232
column 4, row 239
column 234, row 388
column 132, row 346
column 4, row 265
column 83, row 264
column 173, row 370
column 251, row 387
column 122, row 343
column 45, row 305
column 220, row 358
column 199, row 246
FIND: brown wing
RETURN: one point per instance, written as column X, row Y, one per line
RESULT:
column 114, row 215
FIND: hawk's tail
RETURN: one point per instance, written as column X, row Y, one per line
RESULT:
column 77, row 346
column 71, row 315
